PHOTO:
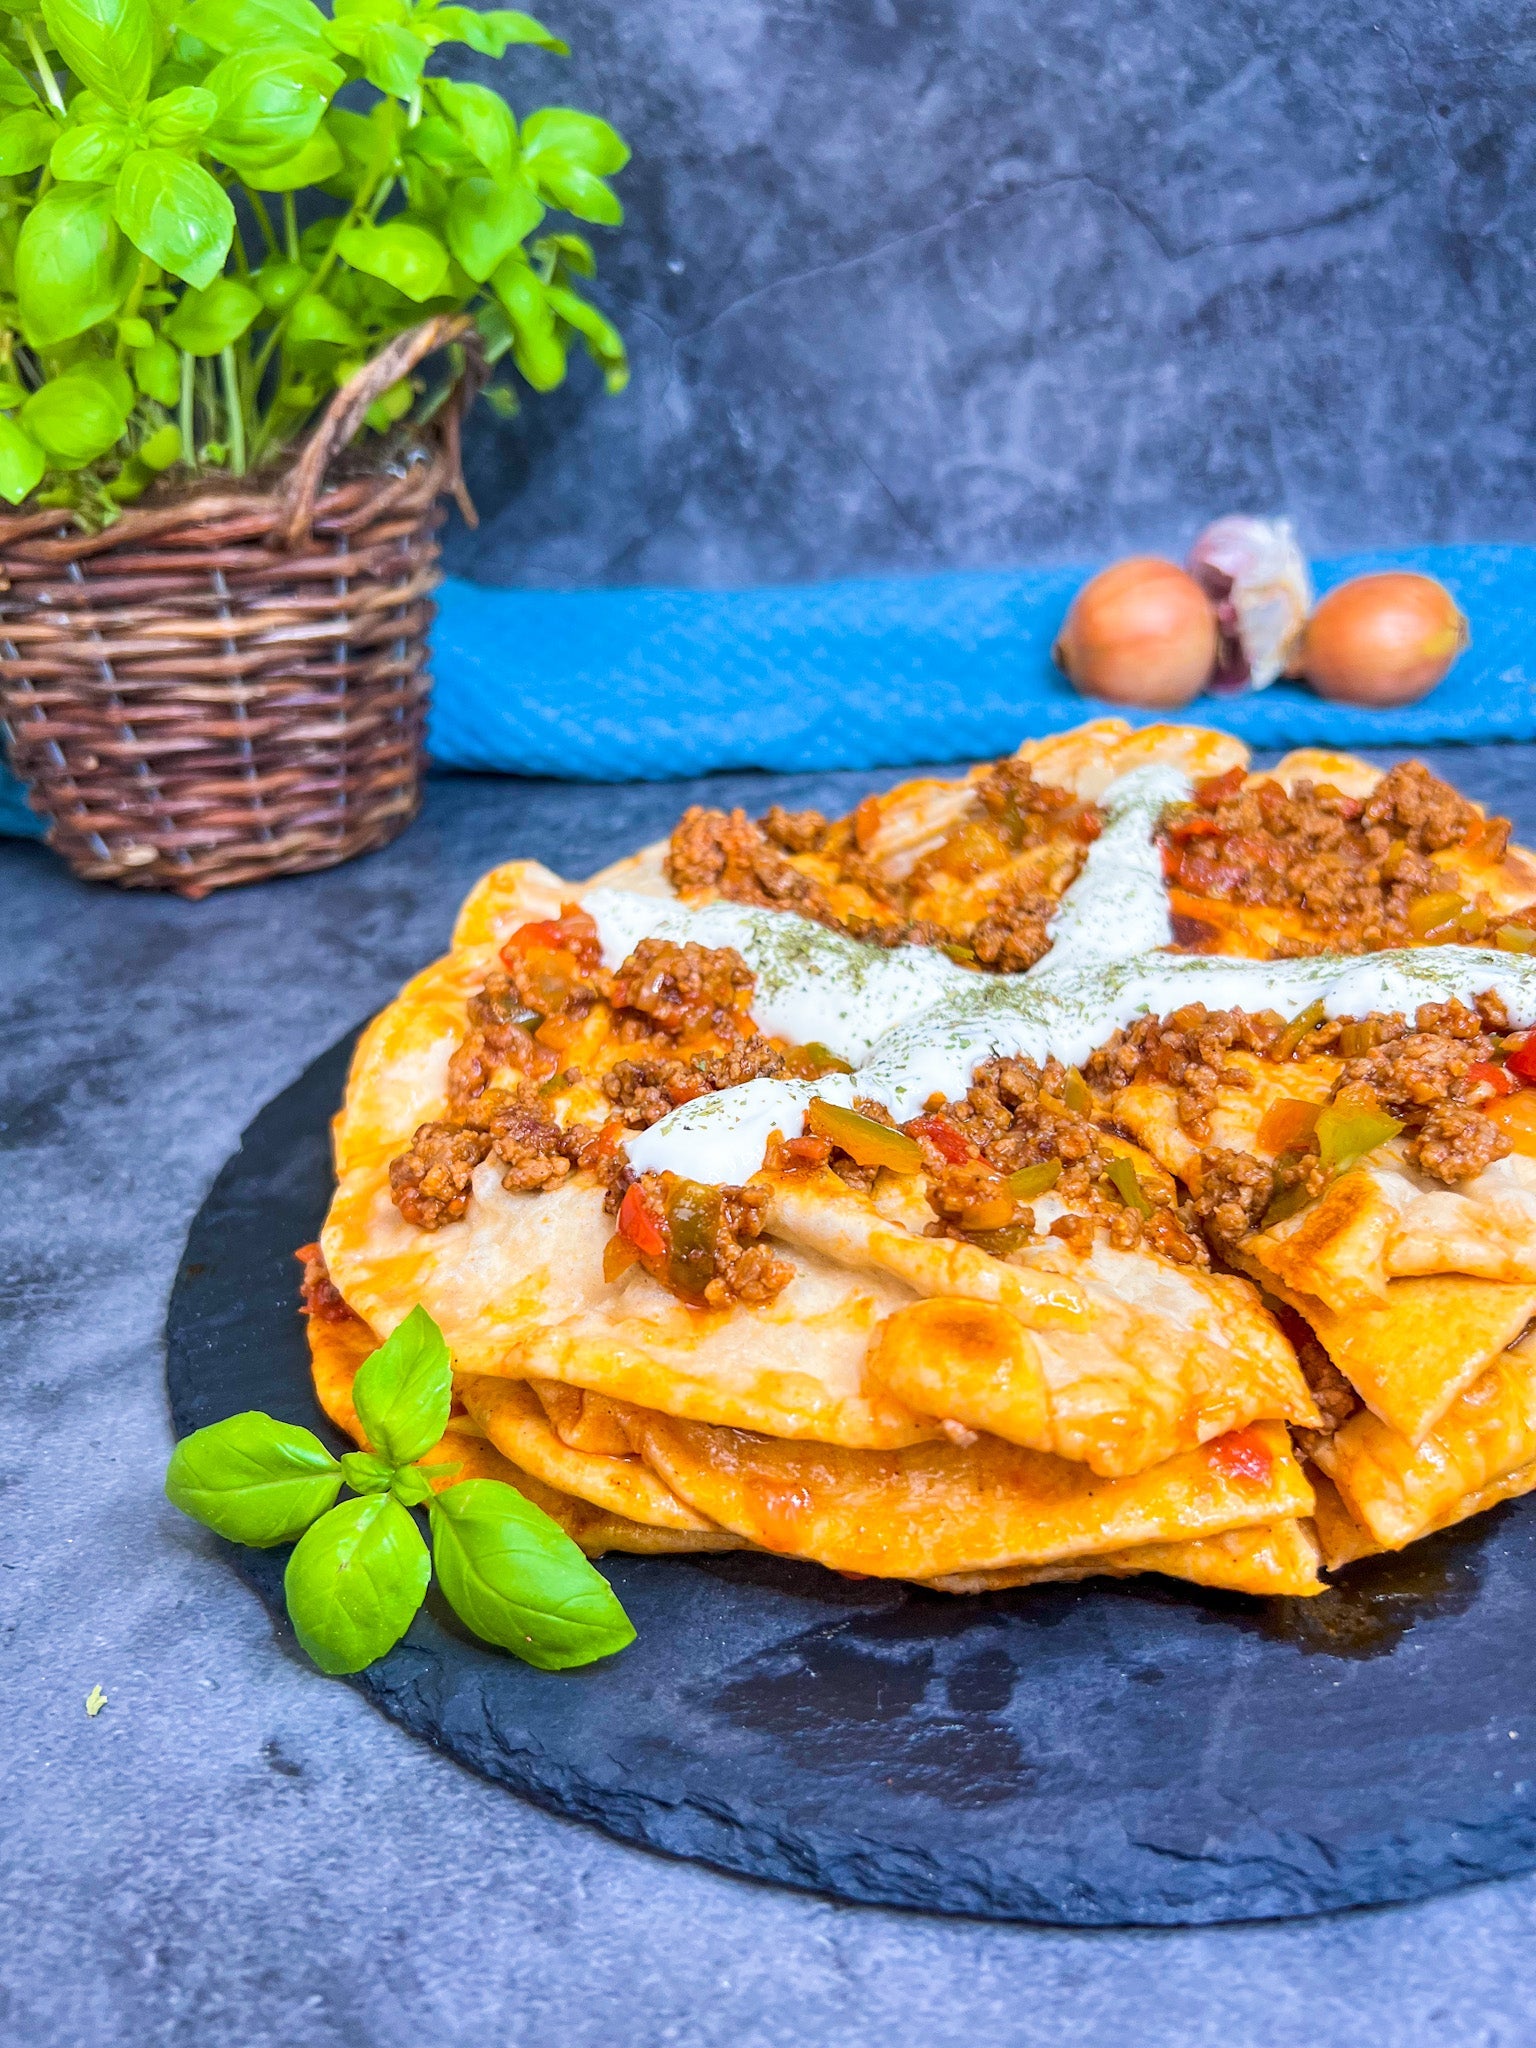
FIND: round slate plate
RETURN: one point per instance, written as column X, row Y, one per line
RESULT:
column 1093, row 1755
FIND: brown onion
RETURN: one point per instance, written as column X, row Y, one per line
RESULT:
column 1142, row 633
column 1383, row 640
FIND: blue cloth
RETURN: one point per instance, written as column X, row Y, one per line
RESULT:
column 645, row 684
column 16, row 820
column 638, row 685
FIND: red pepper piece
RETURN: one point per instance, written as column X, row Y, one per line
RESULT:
column 573, row 932
column 638, row 1224
column 1522, row 1061
column 947, row 1139
column 1494, row 1076
column 1212, row 790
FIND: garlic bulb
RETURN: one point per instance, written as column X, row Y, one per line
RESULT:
column 1256, row 577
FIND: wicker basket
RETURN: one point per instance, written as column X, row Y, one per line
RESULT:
column 234, row 685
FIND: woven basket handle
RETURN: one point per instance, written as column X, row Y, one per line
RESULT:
column 344, row 415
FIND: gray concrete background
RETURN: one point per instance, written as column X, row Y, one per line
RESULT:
column 917, row 284
column 239, row 1853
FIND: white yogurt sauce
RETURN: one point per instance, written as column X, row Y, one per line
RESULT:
column 1118, row 905
column 915, row 1024
column 722, row 1137
column 814, row 987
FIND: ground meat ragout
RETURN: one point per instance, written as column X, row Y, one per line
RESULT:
column 701, row 1242
column 679, row 1018
column 966, row 893
column 319, row 1296
column 562, row 1060
column 1431, row 1078
column 980, row 1156
column 1355, row 872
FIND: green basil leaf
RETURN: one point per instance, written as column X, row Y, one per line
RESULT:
column 112, row 378
column 365, row 1473
column 411, row 1486
column 250, row 1478
column 25, row 140
column 538, row 348
column 487, row 219
column 12, row 394
column 157, row 372
column 91, row 154
column 577, row 190
column 207, row 322
column 162, row 450
column 176, row 213
column 226, row 25
column 181, row 115
column 575, row 138
column 604, row 343
column 518, row 1580
column 404, row 1390
column 355, row 1581
column 279, row 283
column 491, row 33
column 412, row 260
column 15, row 89
column 392, row 59
column 575, row 253
column 70, row 271
column 108, row 44
column 134, row 332
column 270, row 102
column 483, row 119
column 316, row 319
column 22, row 462
column 440, row 144
column 317, row 162
column 567, row 154
column 426, row 191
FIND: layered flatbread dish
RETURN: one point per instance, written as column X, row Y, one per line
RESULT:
column 1114, row 1160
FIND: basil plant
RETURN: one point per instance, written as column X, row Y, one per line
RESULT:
column 198, row 245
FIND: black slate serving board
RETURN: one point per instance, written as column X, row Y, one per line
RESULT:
column 1100, row 1754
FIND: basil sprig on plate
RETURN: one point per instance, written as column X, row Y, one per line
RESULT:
column 360, row 1569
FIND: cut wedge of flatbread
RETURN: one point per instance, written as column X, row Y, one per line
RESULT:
column 1398, row 1490
column 1120, row 1360
column 938, row 1509
column 1380, row 1222
column 1410, row 1355
column 338, row 1348
column 1274, row 1559
column 1343, row 1540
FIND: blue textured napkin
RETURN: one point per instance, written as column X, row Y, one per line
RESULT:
column 637, row 685
column 640, row 685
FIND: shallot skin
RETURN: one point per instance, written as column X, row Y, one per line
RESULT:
column 1141, row 632
column 1383, row 640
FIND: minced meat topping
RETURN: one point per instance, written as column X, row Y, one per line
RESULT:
column 561, row 1059
column 1429, row 1078
column 1355, row 870
column 967, row 893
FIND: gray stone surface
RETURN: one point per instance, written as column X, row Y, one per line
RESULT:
column 933, row 283
column 238, row 1853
